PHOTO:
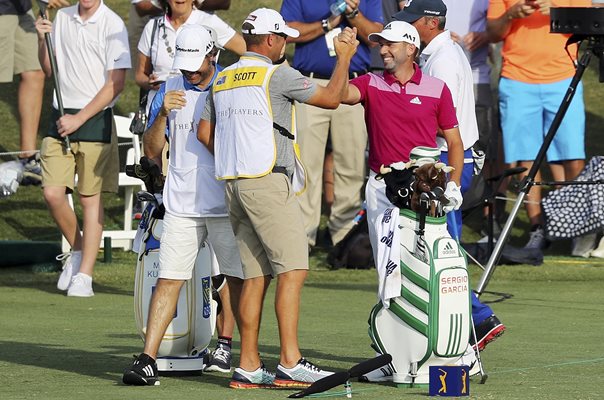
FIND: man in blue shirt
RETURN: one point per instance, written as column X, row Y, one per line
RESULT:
column 315, row 57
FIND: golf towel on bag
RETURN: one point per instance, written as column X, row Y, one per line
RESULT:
column 428, row 323
column 188, row 335
column 388, row 255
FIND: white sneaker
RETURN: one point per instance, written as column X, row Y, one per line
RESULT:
column 469, row 359
column 81, row 286
column 300, row 375
column 383, row 374
column 71, row 266
column 599, row 251
column 583, row 245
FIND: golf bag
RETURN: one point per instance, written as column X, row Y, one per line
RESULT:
column 430, row 322
column 185, row 342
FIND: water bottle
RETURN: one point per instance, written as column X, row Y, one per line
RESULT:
column 338, row 7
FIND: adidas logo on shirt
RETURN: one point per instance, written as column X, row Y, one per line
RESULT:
column 415, row 100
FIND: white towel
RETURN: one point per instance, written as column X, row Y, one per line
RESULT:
column 388, row 255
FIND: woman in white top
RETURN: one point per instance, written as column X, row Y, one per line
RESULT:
column 155, row 61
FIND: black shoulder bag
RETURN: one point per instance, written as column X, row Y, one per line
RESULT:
column 139, row 122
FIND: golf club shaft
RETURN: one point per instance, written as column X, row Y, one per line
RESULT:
column 53, row 66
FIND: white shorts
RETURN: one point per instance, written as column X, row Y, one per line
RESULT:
column 183, row 236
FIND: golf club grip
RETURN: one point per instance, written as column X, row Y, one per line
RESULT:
column 369, row 365
column 323, row 384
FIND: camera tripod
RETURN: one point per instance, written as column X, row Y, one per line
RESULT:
column 563, row 20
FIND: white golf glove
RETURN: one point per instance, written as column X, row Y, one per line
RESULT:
column 453, row 194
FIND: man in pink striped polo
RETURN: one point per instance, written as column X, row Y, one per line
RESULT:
column 403, row 109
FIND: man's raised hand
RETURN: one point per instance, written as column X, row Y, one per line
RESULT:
column 174, row 100
column 346, row 43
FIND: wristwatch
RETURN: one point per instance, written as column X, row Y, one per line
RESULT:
column 325, row 25
column 353, row 14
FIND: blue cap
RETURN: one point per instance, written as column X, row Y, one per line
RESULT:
column 415, row 9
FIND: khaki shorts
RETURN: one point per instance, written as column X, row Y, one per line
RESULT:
column 96, row 164
column 268, row 225
column 18, row 45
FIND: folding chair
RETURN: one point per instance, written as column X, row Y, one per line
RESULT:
column 122, row 238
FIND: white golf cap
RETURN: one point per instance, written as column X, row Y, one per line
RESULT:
column 265, row 21
column 397, row 31
column 193, row 43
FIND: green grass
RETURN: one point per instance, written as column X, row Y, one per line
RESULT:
column 55, row 347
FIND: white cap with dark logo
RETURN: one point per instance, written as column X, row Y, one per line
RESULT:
column 265, row 21
column 193, row 43
column 397, row 31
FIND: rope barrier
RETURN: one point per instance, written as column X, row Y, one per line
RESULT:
column 16, row 153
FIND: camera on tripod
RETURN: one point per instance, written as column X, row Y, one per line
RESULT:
column 583, row 23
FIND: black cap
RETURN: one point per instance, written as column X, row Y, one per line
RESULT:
column 415, row 9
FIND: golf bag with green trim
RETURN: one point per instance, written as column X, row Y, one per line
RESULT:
column 430, row 322
column 185, row 342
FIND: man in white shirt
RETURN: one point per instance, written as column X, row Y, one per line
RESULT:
column 91, row 49
column 194, row 199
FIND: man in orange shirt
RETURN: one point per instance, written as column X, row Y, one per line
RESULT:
column 535, row 76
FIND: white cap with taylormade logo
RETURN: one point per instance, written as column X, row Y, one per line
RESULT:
column 397, row 31
column 265, row 21
column 193, row 43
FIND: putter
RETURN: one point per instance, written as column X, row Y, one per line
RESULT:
column 483, row 375
column 53, row 66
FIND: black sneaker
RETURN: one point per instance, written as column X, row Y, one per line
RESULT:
column 143, row 372
column 220, row 360
column 537, row 239
column 487, row 331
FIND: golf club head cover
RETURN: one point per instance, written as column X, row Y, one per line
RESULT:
column 398, row 186
column 369, row 365
column 154, row 182
column 453, row 193
column 331, row 381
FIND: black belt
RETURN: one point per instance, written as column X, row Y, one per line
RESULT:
column 351, row 75
column 279, row 170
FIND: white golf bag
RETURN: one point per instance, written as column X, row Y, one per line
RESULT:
column 186, row 339
column 430, row 322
